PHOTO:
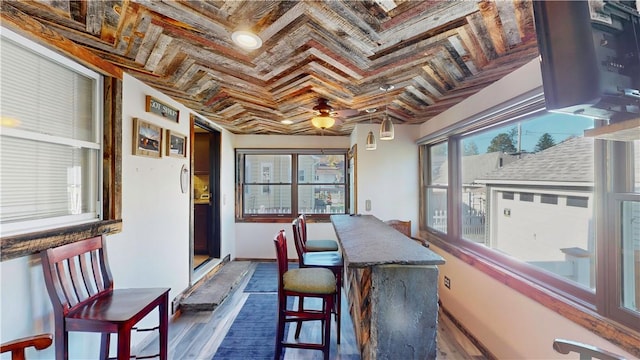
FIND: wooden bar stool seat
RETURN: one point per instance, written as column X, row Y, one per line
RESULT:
column 301, row 283
column 80, row 286
column 313, row 245
column 321, row 245
column 331, row 260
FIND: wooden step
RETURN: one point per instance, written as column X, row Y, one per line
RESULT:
column 210, row 294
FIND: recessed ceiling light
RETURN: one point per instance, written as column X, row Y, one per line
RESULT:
column 246, row 39
column 286, row 122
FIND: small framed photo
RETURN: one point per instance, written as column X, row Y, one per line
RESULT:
column 147, row 139
column 176, row 144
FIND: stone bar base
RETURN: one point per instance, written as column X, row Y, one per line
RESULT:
column 394, row 310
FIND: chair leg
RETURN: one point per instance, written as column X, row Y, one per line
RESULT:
column 338, row 303
column 300, row 309
column 280, row 328
column 124, row 343
column 328, row 304
column 61, row 343
column 105, row 341
column 163, row 310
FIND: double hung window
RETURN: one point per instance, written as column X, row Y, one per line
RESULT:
column 537, row 197
column 437, row 180
column 51, row 139
column 284, row 183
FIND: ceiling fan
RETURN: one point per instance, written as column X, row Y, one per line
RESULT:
column 326, row 116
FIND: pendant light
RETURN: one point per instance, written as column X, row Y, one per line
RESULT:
column 371, row 139
column 386, row 128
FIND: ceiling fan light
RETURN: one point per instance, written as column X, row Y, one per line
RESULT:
column 386, row 129
column 323, row 122
column 371, row 141
column 246, row 39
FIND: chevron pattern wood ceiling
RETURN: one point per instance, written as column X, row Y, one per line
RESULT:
column 435, row 53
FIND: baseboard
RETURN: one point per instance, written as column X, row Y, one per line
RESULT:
column 483, row 349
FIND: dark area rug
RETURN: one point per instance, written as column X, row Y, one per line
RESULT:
column 265, row 278
column 252, row 334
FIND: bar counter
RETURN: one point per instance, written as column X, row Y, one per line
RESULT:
column 391, row 283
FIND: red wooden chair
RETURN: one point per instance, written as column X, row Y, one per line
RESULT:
column 80, row 286
column 400, row 225
column 17, row 347
column 331, row 260
column 313, row 245
column 315, row 283
column 405, row 228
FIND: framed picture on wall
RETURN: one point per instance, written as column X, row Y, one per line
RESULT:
column 157, row 107
column 176, row 144
column 147, row 139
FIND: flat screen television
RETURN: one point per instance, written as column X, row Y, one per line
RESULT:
column 590, row 57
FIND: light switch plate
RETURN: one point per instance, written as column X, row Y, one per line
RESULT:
column 367, row 205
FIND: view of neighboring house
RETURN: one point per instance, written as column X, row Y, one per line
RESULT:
column 540, row 209
column 320, row 183
column 473, row 194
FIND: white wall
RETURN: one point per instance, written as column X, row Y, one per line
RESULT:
column 153, row 248
column 509, row 324
column 388, row 176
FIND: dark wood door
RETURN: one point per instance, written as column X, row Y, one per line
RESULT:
column 201, row 229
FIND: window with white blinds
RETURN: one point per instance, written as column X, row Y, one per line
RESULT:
column 50, row 139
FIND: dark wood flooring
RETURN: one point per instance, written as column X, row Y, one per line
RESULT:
column 197, row 335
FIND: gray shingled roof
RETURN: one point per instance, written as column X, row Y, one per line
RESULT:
column 476, row 166
column 568, row 161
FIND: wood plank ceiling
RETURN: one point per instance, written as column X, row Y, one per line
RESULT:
column 435, row 53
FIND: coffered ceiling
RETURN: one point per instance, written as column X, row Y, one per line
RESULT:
column 434, row 53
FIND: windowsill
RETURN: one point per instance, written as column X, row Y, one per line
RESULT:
column 618, row 334
column 311, row 218
column 12, row 247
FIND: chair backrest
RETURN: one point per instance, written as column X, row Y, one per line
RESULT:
column 302, row 222
column 280, row 242
column 402, row 226
column 18, row 346
column 298, row 238
column 76, row 273
column 586, row 351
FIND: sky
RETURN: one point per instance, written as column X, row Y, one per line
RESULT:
column 559, row 126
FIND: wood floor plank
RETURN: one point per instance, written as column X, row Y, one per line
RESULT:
column 198, row 335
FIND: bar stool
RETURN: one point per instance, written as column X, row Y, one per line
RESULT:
column 317, row 283
column 331, row 260
column 400, row 225
column 80, row 285
column 314, row 245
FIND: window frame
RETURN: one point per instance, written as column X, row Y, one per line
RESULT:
column 603, row 302
column 241, row 153
column 110, row 188
column 95, row 143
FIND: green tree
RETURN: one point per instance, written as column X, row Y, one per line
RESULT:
column 470, row 148
column 502, row 142
column 546, row 141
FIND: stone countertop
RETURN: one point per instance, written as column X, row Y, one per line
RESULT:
column 367, row 241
